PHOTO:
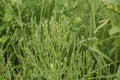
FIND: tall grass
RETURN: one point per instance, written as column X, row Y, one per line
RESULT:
column 59, row 40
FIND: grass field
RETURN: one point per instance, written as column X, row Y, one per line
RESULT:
column 59, row 39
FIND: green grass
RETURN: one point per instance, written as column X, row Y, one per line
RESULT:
column 59, row 40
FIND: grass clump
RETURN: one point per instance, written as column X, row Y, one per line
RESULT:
column 59, row 40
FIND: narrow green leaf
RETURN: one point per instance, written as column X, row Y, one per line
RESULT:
column 118, row 74
column 101, row 54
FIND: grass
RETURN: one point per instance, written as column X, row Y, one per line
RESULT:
column 59, row 40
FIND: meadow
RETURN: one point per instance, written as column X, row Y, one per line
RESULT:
column 59, row 39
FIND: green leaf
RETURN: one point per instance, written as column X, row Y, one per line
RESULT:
column 13, row 14
column 113, row 1
column 114, row 30
column 13, row 2
column 118, row 74
column 3, row 39
column 101, row 54
column 8, row 15
column 2, row 78
column 2, row 28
